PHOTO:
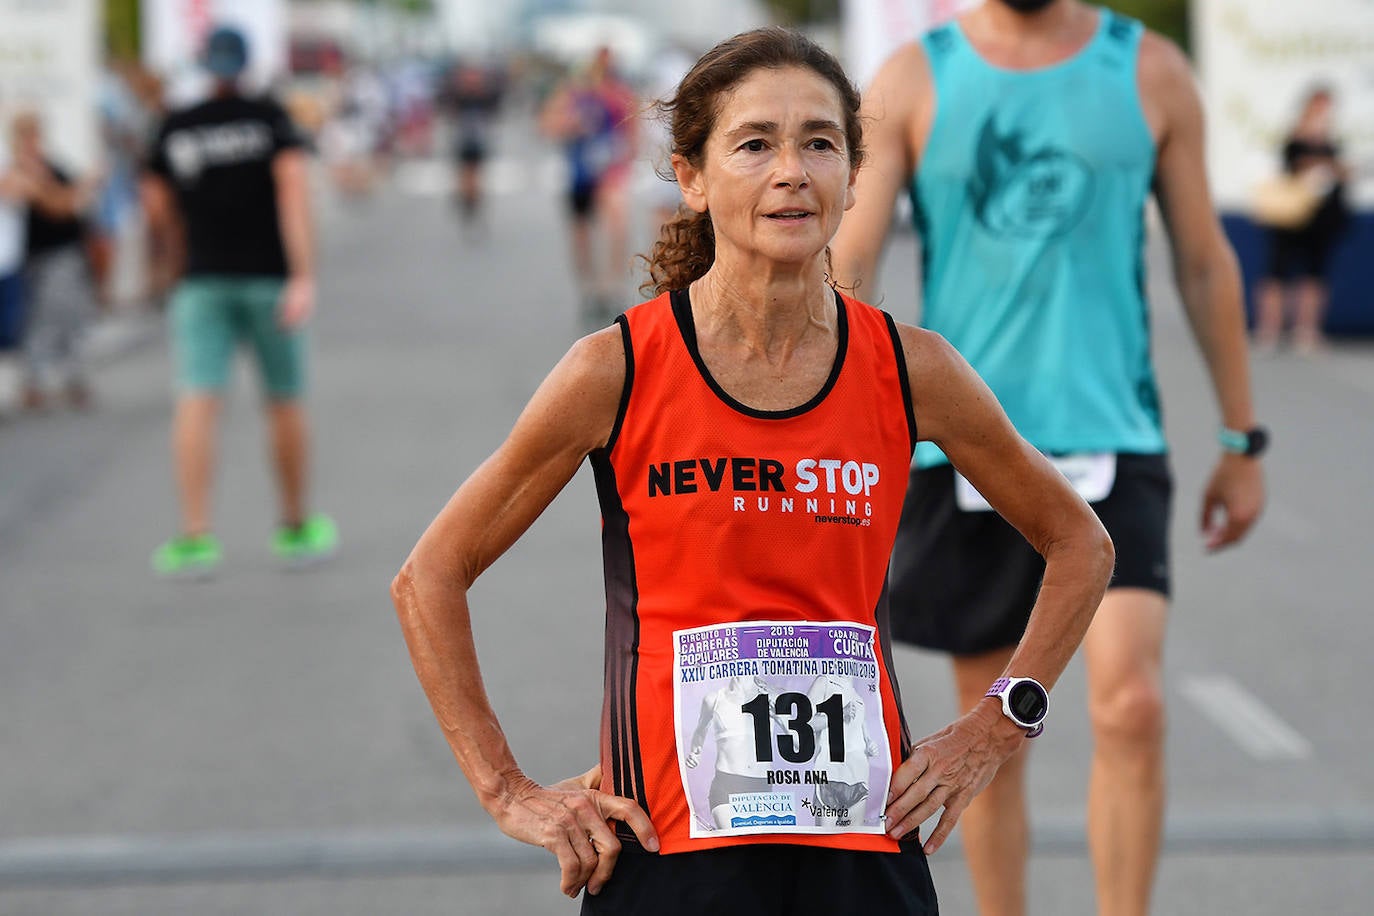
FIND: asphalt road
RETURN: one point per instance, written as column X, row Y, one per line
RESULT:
column 258, row 744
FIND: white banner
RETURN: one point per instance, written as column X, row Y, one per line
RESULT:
column 873, row 29
column 50, row 64
column 174, row 32
column 1257, row 61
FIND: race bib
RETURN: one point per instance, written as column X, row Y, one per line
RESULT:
column 1091, row 474
column 780, row 728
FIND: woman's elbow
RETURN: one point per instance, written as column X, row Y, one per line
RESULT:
column 403, row 586
column 1104, row 553
column 431, row 572
column 414, row 575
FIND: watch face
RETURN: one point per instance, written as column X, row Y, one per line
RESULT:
column 1028, row 702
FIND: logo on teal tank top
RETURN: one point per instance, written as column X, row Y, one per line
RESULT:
column 1023, row 192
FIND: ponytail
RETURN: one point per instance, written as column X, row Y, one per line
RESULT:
column 685, row 250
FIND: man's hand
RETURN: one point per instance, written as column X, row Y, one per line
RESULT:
column 571, row 820
column 1232, row 501
column 297, row 302
column 694, row 757
column 947, row 770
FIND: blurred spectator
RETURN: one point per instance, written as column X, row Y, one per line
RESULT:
column 15, row 191
column 471, row 98
column 228, row 183
column 1300, row 252
column 57, row 275
column 664, row 196
column 411, row 86
column 125, row 124
column 354, row 138
column 594, row 114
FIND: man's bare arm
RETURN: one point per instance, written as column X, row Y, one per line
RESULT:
column 166, row 234
column 290, row 174
column 895, row 111
column 1208, row 281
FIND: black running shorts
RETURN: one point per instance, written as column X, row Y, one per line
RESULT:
column 767, row 880
column 582, row 201
column 964, row 582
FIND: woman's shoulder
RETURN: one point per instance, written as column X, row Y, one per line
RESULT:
column 927, row 352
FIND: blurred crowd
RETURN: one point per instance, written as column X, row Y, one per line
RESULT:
column 77, row 247
column 60, row 238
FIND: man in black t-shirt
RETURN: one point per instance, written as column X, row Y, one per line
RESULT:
column 227, row 185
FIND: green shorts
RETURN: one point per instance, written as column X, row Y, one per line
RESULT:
column 210, row 316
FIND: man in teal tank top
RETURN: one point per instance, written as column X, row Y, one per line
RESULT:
column 1029, row 134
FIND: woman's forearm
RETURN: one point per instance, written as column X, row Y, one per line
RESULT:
column 1077, row 571
column 437, row 627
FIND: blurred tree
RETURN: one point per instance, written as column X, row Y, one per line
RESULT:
column 122, row 29
column 1168, row 17
column 410, row 6
column 799, row 12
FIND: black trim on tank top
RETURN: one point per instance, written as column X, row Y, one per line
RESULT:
column 682, row 312
column 624, row 407
column 627, row 765
column 882, row 617
column 904, row 377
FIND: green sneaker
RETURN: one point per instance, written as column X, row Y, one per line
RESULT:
column 188, row 556
column 312, row 541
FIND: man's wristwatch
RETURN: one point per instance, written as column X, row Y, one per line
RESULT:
column 1251, row 443
column 1024, row 701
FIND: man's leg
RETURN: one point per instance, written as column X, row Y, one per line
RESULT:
column 581, row 213
column 282, row 359
column 290, row 453
column 1310, row 315
column 1268, row 313
column 194, row 428
column 614, row 206
column 994, row 828
column 202, row 337
column 584, row 260
column 1124, row 654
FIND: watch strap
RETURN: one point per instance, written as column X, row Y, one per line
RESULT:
column 1251, row 442
column 1234, row 440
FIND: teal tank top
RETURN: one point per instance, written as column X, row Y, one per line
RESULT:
column 1029, row 200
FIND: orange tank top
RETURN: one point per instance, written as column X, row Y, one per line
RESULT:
column 749, row 687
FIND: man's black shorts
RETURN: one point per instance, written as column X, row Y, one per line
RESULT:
column 471, row 152
column 582, row 201
column 767, row 880
column 964, row 582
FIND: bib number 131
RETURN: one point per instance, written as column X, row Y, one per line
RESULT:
column 798, row 743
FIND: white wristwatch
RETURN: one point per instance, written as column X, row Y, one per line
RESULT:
column 1025, row 701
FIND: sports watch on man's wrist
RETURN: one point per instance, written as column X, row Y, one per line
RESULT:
column 1251, row 442
column 1025, row 701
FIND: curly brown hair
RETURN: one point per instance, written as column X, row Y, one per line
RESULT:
column 686, row 245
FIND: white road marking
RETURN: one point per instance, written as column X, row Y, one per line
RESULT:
column 145, row 858
column 1249, row 722
column 425, row 178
